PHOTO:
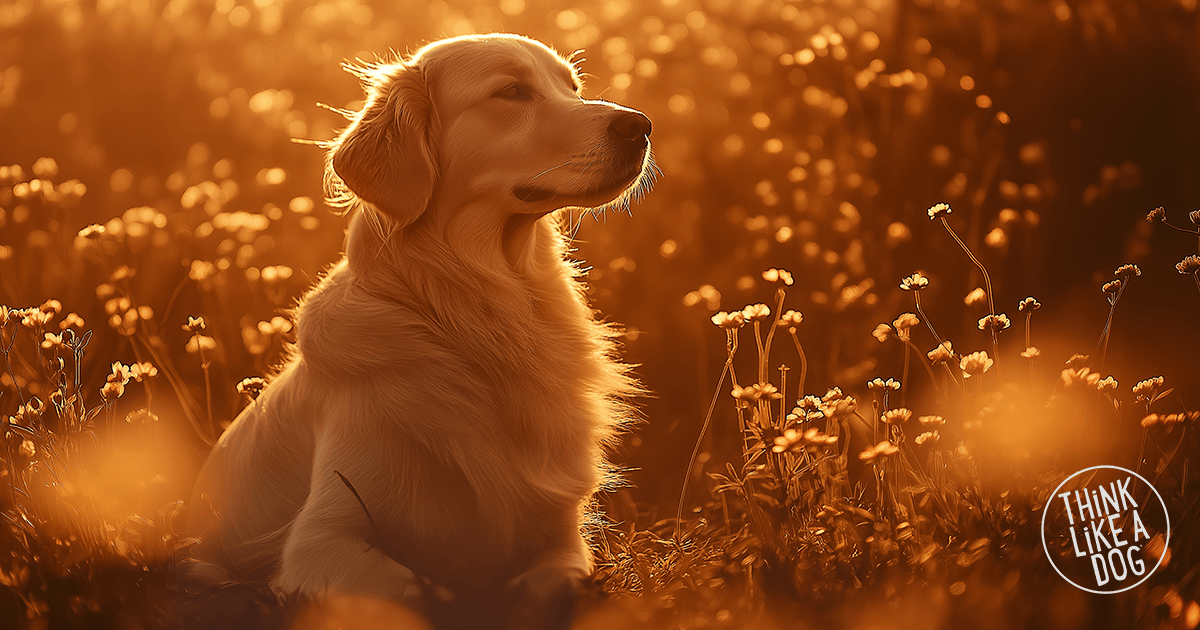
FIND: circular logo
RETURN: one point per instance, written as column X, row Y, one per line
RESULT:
column 1097, row 525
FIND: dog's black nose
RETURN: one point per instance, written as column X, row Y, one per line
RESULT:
column 631, row 126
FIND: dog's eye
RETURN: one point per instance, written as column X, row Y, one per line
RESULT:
column 514, row 92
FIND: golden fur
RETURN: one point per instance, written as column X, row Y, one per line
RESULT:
column 449, row 367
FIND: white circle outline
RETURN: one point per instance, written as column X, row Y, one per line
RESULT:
column 1166, row 543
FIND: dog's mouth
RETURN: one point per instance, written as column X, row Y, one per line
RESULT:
column 608, row 189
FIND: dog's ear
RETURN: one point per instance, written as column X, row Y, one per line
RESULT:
column 384, row 156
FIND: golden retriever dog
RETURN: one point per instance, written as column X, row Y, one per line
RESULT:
column 443, row 417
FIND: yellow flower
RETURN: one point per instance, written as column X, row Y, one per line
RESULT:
column 729, row 321
column 1031, row 352
column 994, row 323
column 791, row 319
column 1029, row 304
column 27, row 449
column 905, row 322
column 778, row 275
column 882, row 332
column 54, row 307
column 943, row 352
column 939, row 210
column 71, row 320
column 194, row 324
column 1071, row 377
column 1146, row 390
column 52, row 341
column 142, row 371
column 35, row 318
column 111, row 391
column 975, row 364
column 929, row 436
column 1107, row 384
column 1127, row 270
column 811, row 439
column 200, row 342
column 1111, row 288
column 120, row 373
column 756, row 312
column 878, row 385
column 931, row 421
column 879, row 451
column 896, row 416
column 975, row 297
column 91, row 232
column 1189, row 264
column 915, row 282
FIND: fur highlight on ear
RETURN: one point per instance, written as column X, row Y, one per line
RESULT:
column 384, row 157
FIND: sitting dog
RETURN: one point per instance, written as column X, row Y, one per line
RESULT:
column 444, row 414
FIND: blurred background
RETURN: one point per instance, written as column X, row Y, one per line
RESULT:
column 810, row 136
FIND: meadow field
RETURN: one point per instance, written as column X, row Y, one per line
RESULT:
column 908, row 266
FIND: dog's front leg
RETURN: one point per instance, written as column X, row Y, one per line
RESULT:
column 328, row 549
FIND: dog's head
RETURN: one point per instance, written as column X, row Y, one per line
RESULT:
column 493, row 119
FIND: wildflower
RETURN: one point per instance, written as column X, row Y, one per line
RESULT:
column 201, row 270
column 943, row 352
column 1169, row 418
column 1031, row 352
column 756, row 312
column 52, row 341
column 251, row 386
column 791, row 320
column 71, row 320
column 1157, row 214
column 1147, row 389
column 994, row 323
column 882, row 332
column 939, row 210
column 931, row 421
column 142, row 371
column 896, row 416
column 729, row 321
column 195, row 324
column 141, row 416
column 928, row 436
column 5, row 314
column 1029, row 304
column 1189, row 264
column 879, row 385
column 1077, row 360
column 915, row 282
column 92, row 232
column 833, row 395
column 200, row 343
column 54, row 307
column 123, row 272
column 120, row 373
column 1194, row 217
column 27, row 449
column 975, row 364
column 1071, row 377
column 808, row 404
column 34, row 318
column 111, row 391
column 975, row 297
column 1127, row 270
column 879, row 451
column 905, row 322
column 1107, row 384
column 811, row 439
column 1111, row 288
column 778, row 275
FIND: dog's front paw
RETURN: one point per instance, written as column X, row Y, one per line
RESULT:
column 545, row 598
